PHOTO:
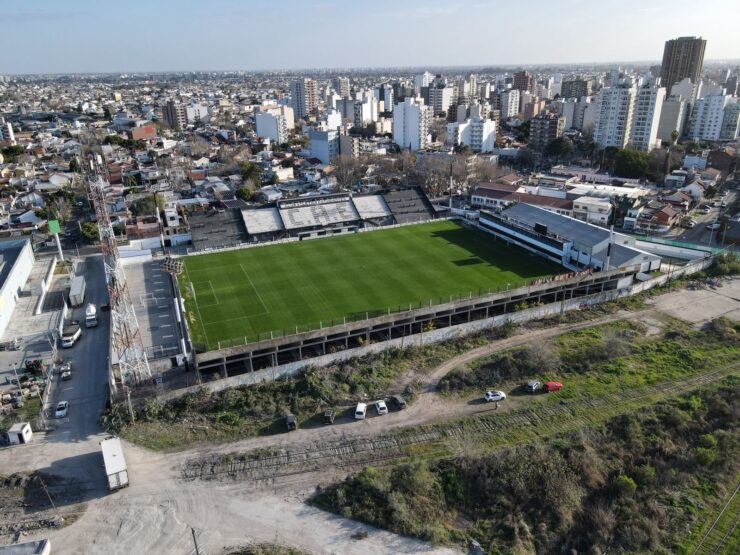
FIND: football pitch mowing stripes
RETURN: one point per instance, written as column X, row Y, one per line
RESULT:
column 249, row 293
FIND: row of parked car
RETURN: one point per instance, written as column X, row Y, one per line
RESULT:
column 381, row 407
column 496, row 396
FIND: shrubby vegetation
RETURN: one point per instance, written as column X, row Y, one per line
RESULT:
column 636, row 484
column 724, row 265
column 604, row 357
column 251, row 410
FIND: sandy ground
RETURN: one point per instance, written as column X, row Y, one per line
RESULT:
column 156, row 513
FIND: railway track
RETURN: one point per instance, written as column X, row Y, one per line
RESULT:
column 724, row 526
column 347, row 453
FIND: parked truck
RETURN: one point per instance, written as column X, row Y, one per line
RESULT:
column 115, row 463
column 91, row 316
column 70, row 334
column 77, row 291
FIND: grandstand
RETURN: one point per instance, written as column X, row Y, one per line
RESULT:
column 373, row 207
column 409, row 205
column 320, row 212
column 217, row 229
column 264, row 224
column 335, row 214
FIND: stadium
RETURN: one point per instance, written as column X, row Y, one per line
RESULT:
column 272, row 290
column 313, row 277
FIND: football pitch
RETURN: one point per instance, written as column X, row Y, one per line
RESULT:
column 247, row 294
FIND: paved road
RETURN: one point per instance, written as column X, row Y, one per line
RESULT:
column 700, row 234
column 86, row 392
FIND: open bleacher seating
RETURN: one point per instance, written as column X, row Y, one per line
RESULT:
column 409, row 205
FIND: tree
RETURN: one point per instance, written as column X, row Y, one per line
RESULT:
column 90, row 231
column 146, row 206
column 560, row 147
column 60, row 209
column 251, row 172
column 243, row 193
column 347, row 170
column 674, row 136
column 74, row 165
column 274, row 180
column 631, row 164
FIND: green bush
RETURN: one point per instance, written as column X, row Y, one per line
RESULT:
column 627, row 486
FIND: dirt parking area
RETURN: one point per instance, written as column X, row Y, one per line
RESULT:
column 701, row 304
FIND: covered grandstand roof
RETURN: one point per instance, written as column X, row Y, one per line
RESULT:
column 371, row 206
column 318, row 212
column 563, row 226
column 264, row 220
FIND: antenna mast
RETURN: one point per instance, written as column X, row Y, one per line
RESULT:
column 128, row 365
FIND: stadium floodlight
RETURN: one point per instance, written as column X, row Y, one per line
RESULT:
column 172, row 265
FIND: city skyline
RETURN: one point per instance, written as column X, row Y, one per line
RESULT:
column 230, row 35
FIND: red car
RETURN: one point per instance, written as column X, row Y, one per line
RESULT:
column 553, row 386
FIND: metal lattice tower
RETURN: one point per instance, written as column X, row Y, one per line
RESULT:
column 129, row 365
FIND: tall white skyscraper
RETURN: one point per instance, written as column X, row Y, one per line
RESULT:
column 509, row 103
column 411, row 120
column 271, row 125
column 614, row 111
column 646, row 117
column 479, row 134
column 731, row 122
column 707, row 117
column 422, row 80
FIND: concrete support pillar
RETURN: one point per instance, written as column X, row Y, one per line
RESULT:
column 224, row 373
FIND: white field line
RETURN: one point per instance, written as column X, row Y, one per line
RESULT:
column 197, row 309
column 267, row 310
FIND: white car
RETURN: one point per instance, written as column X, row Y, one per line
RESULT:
column 492, row 396
column 713, row 227
column 360, row 411
column 381, row 407
column 62, row 407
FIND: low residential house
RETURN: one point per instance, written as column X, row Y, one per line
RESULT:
column 594, row 210
column 696, row 189
column 61, row 179
column 143, row 228
column 27, row 218
column 500, row 199
column 679, row 201
column 696, row 162
column 711, row 176
column 656, row 217
column 511, row 179
column 677, row 178
column 271, row 193
column 30, row 200
column 722, row 160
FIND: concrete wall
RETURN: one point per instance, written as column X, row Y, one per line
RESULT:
column 291, row 369
column 425, row 338
column 45, row 283
column 14, row 282
column 682, row 253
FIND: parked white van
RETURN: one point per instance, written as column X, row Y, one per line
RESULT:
column 360, row 411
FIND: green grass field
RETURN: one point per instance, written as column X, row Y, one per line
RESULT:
column 277, row 288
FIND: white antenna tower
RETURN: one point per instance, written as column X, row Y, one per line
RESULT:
column 129, row 365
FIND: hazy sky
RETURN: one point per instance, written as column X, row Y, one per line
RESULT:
column 43, row 36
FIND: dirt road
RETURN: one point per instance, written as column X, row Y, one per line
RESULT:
column 156, row 513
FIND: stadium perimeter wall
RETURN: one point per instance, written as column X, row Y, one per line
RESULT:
column 436, row 335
